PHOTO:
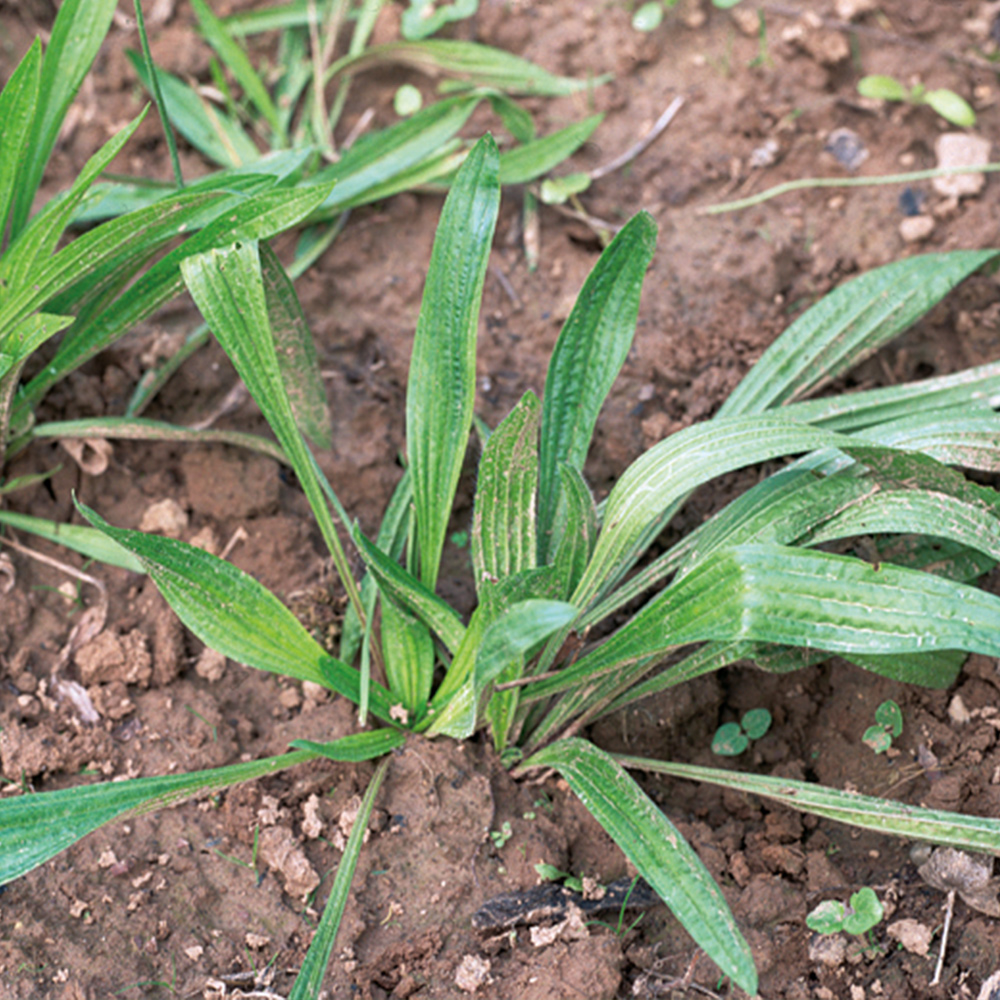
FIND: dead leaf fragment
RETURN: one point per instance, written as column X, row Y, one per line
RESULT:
column 970, row 875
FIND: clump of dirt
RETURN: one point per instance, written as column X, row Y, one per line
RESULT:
column 224, row 893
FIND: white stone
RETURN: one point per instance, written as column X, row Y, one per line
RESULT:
column 916, row 228
column 957, row 149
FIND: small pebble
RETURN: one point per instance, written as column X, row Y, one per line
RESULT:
column 165, row 517
column 916, row 228
column 846, row 147
column 957, row 149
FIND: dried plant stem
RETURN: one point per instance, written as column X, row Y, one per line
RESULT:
column 948, row 910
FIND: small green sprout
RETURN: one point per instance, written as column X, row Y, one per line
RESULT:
column 888, row 726
column 861, row 914
column 649, row 16
column 945, row 102
column 501, row 836
column 549, row 873
column 732, row 738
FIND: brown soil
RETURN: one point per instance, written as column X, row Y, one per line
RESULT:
column 162, row 904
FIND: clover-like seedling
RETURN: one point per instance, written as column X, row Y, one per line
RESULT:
column 732, row 738
column 946, row 103
column 859, row 916
column 888, row 726
column 649, row 16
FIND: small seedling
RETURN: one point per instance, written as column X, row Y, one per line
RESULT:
column 732, row 738
column 549, row 873
column 888, row 726
column 861, row 914
column 501, row 836
column 649, row 16
column 945, row 102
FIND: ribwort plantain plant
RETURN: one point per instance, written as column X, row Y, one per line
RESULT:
column 551, row 563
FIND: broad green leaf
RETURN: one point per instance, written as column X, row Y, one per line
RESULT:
column 37, row 827
column 212, row 131
column 231, row 612
column 786, row 595
column 407, row 591
column 408, row 651
column 296, row 352
column 588, row 355
column 955, row 436
column 90, row 542
column 77, row 34
column 37, row 241
column 239, row 65
column 533, row 159
column 503, row 521
column 27, row 336
column 17, row 111
column 657, row 849
column 143, row 429
column 478, row 64
column 671, row 469
column 848, row 325
column 309, row 981
column 972, row 833
column 357, row 747
column 442, row 381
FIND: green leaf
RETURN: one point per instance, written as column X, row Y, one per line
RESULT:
column 877, row 738
column 656, row 848
column 296, row 352
column 848, row 325
column 951, row 107
column 239, row 65
column 503, row 520
column 408, row 651
column 827, row 917
column 882, row 88
column 864, row 912
column 890, row 717
column 231, row 612
column 971, row 833
column 756, row 722
column 558, row 190
column 356, row 747
column 407, row 591
column 588, row 355
column 17, row 111
column 574, row 530
column 729, row 740
column 517, row 120
column 77, row 34
column 533, row 159
column 37, row 827
column 213, row 132
column 649, row 16
column 90, row 542
column 310, row 978
column 441, row 389
column 425, row 17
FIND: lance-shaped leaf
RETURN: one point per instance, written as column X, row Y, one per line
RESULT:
column 77, row 34
column 848, row 325
column 442, row 387
column 786, row 595
column 34, row 828
column 17, row 112
column 408, row 651
column 503, row 522
column 574, row 530
column 90, row 542
column 586, row 360
column 231, row 612
column 973, row 833
column 956, row 436
column 536, row 157
column 671, row 469
column 655, row 846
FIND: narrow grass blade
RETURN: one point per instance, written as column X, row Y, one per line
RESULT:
column 848, row 325
column 478, row 64
column 310, row 978
column 77, row 34
column 89, row 542
column 234, row 614
column 654, row 845
column 35, row 828
column 239, row 65
column 971, row 833
column 213, row 132
column 536, row 157
column 586, row 360
column 441, row 389
column 407, row 591
column 503, row 521
column 143, row 429
column 18, row 102
column 296, row 352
